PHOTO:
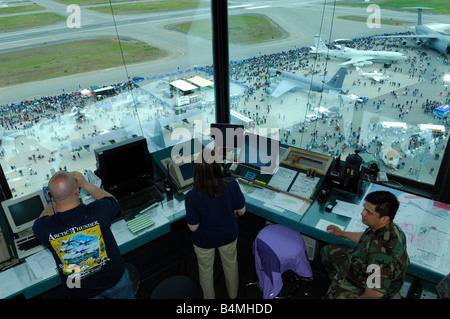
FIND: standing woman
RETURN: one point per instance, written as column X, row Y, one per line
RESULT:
column 212, row 208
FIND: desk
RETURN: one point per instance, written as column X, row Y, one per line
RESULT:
column 306, row 223
column 424, row 264
column 22, row 280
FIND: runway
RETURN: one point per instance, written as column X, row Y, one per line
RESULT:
column 186, row 50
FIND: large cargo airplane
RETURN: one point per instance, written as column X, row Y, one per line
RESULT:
column 355, row 57
column 425, row 36
column 291, row 81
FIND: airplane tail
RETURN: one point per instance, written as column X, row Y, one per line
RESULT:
column 419, row 13
column 338, row 79
column 319, row 45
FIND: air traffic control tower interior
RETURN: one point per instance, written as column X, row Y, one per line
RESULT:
column 334, row 100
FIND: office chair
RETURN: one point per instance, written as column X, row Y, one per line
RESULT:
column 279, row 249
column 177, row 287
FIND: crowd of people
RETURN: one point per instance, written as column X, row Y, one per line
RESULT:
column 24, row 114
column 331, row 135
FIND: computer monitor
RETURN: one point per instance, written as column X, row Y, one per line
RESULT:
column 124, row 167
column 260, row 152
column 182, row 173
column 228, row 140
column 22, row 211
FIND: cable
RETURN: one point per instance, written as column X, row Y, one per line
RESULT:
column 125, row 67
column 314, row 67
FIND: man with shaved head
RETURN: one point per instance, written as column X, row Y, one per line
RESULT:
column 80, row 239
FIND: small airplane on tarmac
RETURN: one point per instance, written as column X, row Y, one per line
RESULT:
column 355, row 57
column 372, row 75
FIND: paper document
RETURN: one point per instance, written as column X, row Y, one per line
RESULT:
column 282, row 178
column 287, row 202
column 304, row 186
column 42, row 264
column 348, row 209
column 356, row 225
column 263, row 194
column 323, row 224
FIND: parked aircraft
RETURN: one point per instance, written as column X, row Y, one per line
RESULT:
column 425, row 36
column 291, row 81
column 372, row 75
column 356, row 57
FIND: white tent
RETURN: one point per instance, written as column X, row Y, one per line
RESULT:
column 85, row 92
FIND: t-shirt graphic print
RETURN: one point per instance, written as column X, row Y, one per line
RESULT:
column 81, row 250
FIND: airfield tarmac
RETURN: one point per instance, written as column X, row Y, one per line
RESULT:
column 52, row 139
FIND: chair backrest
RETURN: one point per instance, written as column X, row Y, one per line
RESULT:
column 278, row 248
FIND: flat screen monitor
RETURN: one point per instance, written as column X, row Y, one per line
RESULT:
column 125, row 165
column 228, row 140
column 261, row 153
column 22, row 211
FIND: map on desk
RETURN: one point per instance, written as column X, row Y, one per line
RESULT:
column 426, row 224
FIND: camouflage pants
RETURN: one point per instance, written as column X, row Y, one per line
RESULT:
column 334, row 260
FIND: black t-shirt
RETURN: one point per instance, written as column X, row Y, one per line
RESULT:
column 83, row 246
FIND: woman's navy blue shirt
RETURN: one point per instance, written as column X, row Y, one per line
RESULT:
column 218, row 225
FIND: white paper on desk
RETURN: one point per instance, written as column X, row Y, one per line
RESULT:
column 288, row 202
column 323, row 224
column 263, row 194
column 356, row 225
column 121, row 232
column 348, row 209
column 42, row 264
column 171, row 207
column 304, row 186
column 282, row 178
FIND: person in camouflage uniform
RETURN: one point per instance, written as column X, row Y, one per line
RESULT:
column 376, row 266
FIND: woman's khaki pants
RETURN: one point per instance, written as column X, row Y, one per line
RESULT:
column 228, row 256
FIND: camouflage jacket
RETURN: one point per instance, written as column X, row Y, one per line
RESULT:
column 379, row 261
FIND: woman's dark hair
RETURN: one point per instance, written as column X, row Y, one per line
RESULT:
column 386, row 204
column 208, row 175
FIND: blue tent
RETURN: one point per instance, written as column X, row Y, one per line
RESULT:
column 442, row 111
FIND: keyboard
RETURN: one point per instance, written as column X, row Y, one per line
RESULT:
column 140, row 199
column 27, row 246
column 28, row 243
column 140, row 222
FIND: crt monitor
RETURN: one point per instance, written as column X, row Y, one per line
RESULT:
column 260, row 152
column 228, row 139
column 125, row 166
column 22, row 211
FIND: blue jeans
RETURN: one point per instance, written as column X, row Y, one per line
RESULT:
column 122, row 290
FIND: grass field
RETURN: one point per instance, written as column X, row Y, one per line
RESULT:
column 241, row 29
column 29, row 21
column 81, row 56
column 74, row 57
column 439, row 6
column 20, row 9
